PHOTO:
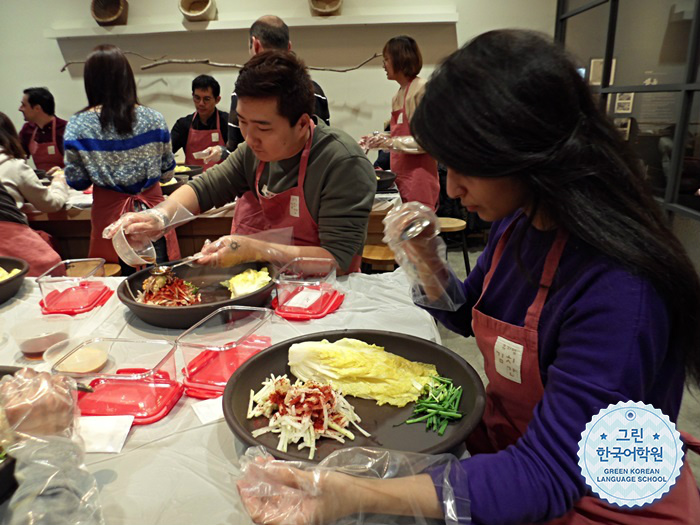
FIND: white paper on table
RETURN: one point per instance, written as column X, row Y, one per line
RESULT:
column 209, row 410
column 105, row 433
column 303, row 299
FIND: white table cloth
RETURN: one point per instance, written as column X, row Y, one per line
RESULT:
column 178, row 471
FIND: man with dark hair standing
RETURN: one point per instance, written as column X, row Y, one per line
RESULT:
column 42, row 135
column 205, row 128
column 301, row 174
column 268, row 33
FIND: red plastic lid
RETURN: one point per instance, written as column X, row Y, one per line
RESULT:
column 148, row 400
column 207, row 374
column 326, row 303
column 77, row 299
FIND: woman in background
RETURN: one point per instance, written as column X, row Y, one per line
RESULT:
column 121, row 148
column 19, row 179
column 416, row 171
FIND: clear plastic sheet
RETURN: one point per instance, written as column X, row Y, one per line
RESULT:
column 39, row 431
column 231, row 250
column 355, row 485
column 412, row 231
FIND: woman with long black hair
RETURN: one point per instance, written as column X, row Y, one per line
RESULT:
column 120, row 147
column 582, row 298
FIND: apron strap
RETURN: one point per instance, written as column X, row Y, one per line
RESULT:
column 551, row 263
column 500, row 248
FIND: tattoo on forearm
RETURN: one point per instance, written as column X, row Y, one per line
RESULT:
column 234, row 245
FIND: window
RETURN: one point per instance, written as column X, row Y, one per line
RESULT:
column 653, row 94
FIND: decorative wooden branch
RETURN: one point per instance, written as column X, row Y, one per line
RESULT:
column 155, row 62
column 65, row 66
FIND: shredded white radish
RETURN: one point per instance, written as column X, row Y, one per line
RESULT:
column 302, row 412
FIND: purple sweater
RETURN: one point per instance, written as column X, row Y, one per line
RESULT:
column 603, row 338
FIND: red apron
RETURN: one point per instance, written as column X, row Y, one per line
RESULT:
column 19, row 240
column 416, row 175
column 281, row 210
column 46, row 155
column 200, row 139
column 108, row 206
column 510, row 405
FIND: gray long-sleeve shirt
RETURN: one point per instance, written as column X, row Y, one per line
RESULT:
column 339, row 187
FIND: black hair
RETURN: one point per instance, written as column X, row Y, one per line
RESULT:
column 9, row 140
column 272, row 32
column 512, row 103
column 205, row 82
column 109, row 82
column 280, row 75
column 40, row 96
column 405, row 55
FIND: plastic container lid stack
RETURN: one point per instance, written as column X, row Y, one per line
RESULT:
column 217, row 345
column 306, row 289
column 129, row 377
column 72, row 287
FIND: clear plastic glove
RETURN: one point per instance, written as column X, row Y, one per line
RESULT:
column 412, row 232
column 36, row 405
column 150, row 224
column 231, row 250
column 38, row 430
column 403, row 144
column 212, row 154
column 353, row 485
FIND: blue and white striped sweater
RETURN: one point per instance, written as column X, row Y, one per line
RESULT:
column 126, row 163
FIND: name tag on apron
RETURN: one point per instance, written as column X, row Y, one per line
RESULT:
column 399, row 120
column 508, row 356
column 51, row 150
column 215, row 137
column 294, row 206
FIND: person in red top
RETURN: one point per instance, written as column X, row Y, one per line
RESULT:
column 204, row 128
column 42, row 135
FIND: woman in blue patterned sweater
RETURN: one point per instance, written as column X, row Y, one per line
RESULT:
column 120, row 147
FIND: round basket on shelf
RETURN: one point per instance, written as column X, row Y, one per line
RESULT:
column 110, row 12
column 197, row 10
column 325, row 7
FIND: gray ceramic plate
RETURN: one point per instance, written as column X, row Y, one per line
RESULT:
column 214, row 295
column 9, row 287
column 382, row 422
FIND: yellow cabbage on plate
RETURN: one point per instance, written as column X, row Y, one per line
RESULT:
column 4, row 274
column 247, row 282
column 360, row 369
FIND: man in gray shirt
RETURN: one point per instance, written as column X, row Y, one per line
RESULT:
column 295, row 172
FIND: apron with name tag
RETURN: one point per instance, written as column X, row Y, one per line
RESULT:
column 201, row 139
column 46, row 155
column 511, row 362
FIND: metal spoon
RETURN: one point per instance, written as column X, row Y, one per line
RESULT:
column 162, row 270
column 413, row 229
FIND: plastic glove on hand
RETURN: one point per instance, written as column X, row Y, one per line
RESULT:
column 37, row 404
column 231, row 250
column 274, row 492
column 212, row 154
column 376, row 141
column 148, row 223
column 411, row 230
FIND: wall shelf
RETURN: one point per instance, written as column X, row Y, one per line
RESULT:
column 91, row 30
